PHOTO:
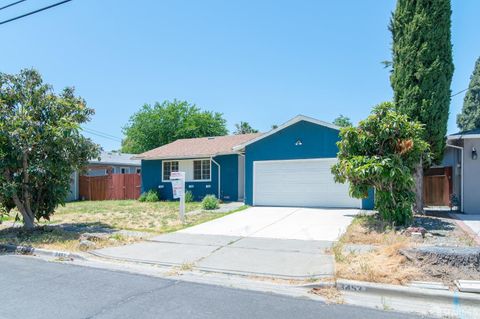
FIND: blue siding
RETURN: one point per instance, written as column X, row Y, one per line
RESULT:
column 229, row 176
column 152, row 179
column 317, row 142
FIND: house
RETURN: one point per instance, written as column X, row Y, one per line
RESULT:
column 106, row 163
column 288, row 166
column 461, row 159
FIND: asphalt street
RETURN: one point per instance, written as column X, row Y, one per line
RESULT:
column 33, row 288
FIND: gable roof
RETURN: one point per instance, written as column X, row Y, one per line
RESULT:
column 475, row 133
column 295, row 120
column 115, row 158
column 198, row 147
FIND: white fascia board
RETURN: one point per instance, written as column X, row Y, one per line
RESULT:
column 295, row 120
column 462, row 137
column 195, row 156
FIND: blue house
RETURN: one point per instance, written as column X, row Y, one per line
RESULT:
column 288, row 166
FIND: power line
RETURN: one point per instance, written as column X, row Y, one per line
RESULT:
column 12, row 4
column 116, row 139
column 35, row 11
column 463, row 91
column 103, row 133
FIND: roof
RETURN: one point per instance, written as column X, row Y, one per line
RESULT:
column 116, row 158
column 475, row 133
column 295, row 120
column 198, row 147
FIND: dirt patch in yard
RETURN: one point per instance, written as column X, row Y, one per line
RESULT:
column 56, row 238
column 385, row 263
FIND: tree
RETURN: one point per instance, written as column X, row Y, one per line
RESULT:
column 422, row 72
column 469, row 119
column 40, row 144
column 342, row 121
column 382, row 153
column 162, row 123
column 244, row 128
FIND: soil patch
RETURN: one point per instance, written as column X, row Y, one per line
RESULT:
column 442, row 252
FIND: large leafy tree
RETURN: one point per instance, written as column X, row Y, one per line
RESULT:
column 382, row 153
column 162, row 123
column 469, row 119
column 40, row 144
column 342, row 121
column 422, row 71
column 244, row 128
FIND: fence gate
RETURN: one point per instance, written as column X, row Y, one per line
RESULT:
column 437, row 186
column 110, row 187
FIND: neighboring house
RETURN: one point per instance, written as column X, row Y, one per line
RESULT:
column 461, row 155
column 107, row 163
column 288, row 166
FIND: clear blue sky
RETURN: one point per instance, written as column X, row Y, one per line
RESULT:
column 260, row 61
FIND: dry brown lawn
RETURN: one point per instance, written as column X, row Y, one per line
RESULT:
column 152, row 218
column 383, row 265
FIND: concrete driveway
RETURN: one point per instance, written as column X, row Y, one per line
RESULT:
column 280, row 223
column 269, row 241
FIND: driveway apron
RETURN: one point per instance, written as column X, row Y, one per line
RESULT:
column 278, row 242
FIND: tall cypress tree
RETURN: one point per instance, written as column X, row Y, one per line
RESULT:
column 469, row 119
column 422, row 71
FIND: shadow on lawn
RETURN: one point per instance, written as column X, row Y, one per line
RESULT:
column 433, row 222
column 51, row 234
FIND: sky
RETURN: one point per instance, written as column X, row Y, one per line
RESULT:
column 260, row 61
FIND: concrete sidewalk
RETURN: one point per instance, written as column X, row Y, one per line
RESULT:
column 286, row 243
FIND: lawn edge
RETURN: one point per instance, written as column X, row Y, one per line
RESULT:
column 28, row 250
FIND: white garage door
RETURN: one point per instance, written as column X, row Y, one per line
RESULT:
column 303, row 183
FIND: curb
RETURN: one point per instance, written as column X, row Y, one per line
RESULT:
column 27, row 250
column 460, row 223
column 395, row 291
column 213, row 270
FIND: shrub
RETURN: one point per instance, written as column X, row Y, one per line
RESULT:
column 210, row 202
column 142, row 197
column 188, row 197
column 150, row 196
column 382, row 153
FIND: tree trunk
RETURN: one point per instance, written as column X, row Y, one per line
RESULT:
column 27, row 215
column 418, row 176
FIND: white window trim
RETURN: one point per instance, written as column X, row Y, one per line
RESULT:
column 163, row 168
column 193, row 171
column 188, row 180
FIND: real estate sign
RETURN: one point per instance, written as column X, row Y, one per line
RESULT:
column 178, row 188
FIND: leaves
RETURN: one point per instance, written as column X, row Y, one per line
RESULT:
column 469, row 119
column 40, row 142
column 381, row 153
column 244, row 128
column 162, row 123
column 422, row 66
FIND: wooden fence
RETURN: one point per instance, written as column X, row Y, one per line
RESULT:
column 110, row 187
column 437, row 186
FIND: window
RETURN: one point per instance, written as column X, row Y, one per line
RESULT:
column 124, row 170
column 169, row 167
column 138, row 170
column 201, row 170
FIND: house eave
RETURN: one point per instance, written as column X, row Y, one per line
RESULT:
column 180, row 157
column 295, row 120
column 462, row 137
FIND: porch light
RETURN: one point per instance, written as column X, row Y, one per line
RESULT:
column 474, row 153
column 298, row 142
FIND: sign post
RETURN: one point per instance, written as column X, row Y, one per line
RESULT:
column 178, row 187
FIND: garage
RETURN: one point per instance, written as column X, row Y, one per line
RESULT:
column 290, row 166
column 301, row 183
